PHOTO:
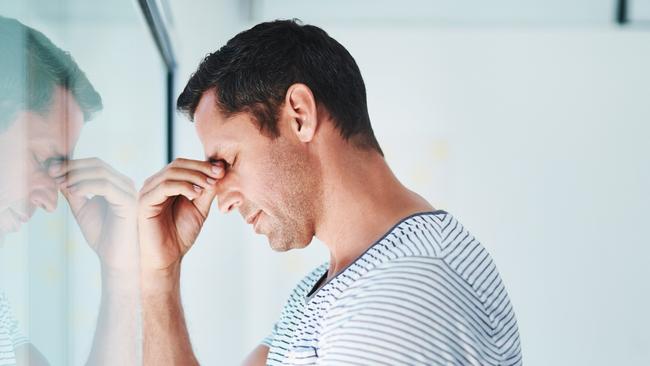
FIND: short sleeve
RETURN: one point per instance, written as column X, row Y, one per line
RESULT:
column 268, row 340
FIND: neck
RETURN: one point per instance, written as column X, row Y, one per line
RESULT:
column 362, row 200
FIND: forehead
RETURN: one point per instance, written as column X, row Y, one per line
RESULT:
column 59, row 129
column 206, row 112
column 217, row 133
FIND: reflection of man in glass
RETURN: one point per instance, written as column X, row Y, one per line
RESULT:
column 44, row 100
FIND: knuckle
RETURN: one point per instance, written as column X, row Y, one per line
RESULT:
column 178, row 161
column 141, row 193
column 166, row 185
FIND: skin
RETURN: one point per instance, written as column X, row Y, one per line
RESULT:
column 309, row 182
column 41, row 146
column 34, row 141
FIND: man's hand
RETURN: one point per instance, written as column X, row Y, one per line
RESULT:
column 173, row 206
column 103, row 202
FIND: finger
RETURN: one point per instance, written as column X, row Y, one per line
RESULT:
column 76, row 176
column 176, row 173
column 76, row 202
column 204, row 201
column 60, row 169
column 104, row 188
column 214, row 170
column 167, row 189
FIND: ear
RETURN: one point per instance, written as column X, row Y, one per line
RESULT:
column 301, row 107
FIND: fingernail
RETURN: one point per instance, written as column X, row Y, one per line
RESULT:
column 59, row 180
column 211, row 180
column 216, row 169
column 197, row 188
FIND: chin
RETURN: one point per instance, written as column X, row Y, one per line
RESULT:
column 286, row 246
column 279, row 249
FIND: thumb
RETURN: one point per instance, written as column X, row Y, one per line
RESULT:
column 204, row 201
column 76, row 202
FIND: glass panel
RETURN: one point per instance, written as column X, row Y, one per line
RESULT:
column 82, row 90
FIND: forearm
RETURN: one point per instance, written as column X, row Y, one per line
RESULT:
column 165, row 337
column 116, row 335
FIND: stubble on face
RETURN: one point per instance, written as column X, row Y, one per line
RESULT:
column 294, row 181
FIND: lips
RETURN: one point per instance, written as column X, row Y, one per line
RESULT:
column 9, row 222
column 20, row 217
column 252, row 218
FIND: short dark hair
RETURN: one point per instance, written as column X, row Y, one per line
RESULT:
column 254, row 70
column 31, row 66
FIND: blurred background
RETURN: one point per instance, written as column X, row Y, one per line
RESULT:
column 528, row 120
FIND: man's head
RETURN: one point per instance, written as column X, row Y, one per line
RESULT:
column 262, row 103
column 44, row 100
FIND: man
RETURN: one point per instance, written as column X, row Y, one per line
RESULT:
column 281, row 113
column 45, row 98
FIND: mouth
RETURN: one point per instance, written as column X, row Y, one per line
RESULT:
column 22, row 218
column 253, row 218
column 11, row 224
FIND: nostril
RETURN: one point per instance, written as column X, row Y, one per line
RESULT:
column 44, row 204
column 38, row 203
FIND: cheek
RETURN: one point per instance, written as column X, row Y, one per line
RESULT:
column 281, row 182
column 15, row 187
column 267, row 186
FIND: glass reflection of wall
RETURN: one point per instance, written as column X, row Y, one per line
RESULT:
column 45, row 99
column 48, row 270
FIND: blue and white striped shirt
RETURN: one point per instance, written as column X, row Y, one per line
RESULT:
column 10, row 335
column 426, row 293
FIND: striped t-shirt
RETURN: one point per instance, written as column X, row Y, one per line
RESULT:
column 10, row 336
column 426, row 293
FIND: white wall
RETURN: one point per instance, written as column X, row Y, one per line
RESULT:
column 534, row 137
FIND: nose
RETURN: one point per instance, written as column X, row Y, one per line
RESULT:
column 228, row 196
column 229, row 201
column 43, row 192
column 45, row 200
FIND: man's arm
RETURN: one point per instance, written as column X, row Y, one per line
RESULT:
column 257, row 357
column 173, row 206
column 115, row 337
column 166, row 340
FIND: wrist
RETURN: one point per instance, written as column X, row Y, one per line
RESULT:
column 120, row 280
column 159, row 281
